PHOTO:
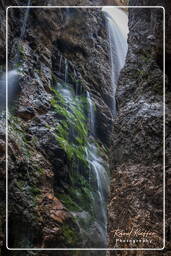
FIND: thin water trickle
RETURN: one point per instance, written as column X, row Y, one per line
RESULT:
column 76, row 82
column 66, row 93
column 117, row 23
column 99, row 173
column 12, row 87
column 60, row 63
column 98, row 178
column 66, row 70
column 91, row 114
column 23, row 28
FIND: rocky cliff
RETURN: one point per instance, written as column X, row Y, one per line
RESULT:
column 42, row 194
column 136, row 201
column 55, row 45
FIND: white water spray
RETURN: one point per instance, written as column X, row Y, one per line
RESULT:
column 66, row 70
column 91, row 114
column 11, row 87
column 117, row 22
column 100, row 176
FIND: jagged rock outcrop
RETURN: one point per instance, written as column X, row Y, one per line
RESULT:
column 136, row 201
column 39, row 170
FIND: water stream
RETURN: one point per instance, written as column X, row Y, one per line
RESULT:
column 99, row 178
column 66, row 70
column 91, row 114
column 23, row 28
column 12, row 88
column 94, row 232
column 12, row 75
column 117, row 24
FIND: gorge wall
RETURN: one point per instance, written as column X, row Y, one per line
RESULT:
column 137, row 145
column 39, row 167
column 47, row 204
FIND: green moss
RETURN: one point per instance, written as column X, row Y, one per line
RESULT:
column 20, row 184
column 17, row 65
column 68, row 202
column 41, row 171
column 34, row 140
column 70, row 235
column 78, row 197
column 34, row 190
column 24, row 186
column 20, row 49
column 73, row 116
column 72, row 136
column 54, row 79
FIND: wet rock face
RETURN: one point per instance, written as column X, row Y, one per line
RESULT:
column 38, row 167
column 85, row 46
column 136, row 200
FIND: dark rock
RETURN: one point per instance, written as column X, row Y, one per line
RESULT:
column 26, row 113
column 136, row 200
column 39, row 169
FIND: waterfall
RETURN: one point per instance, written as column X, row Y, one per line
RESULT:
column 12, row 87
column 66, row 70
column 94, row 233
column 117, row 24
column 99, row 177
column 91, row 114
column 76, row 82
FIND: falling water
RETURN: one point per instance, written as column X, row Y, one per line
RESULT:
column 100, row 183
column 99, row 176
column 60, row 63
column 66, row 70
column 76, row 82
column 91, row 114
column 117, row 22
column 23, row 28
column 12, row 88
column 12, row 75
